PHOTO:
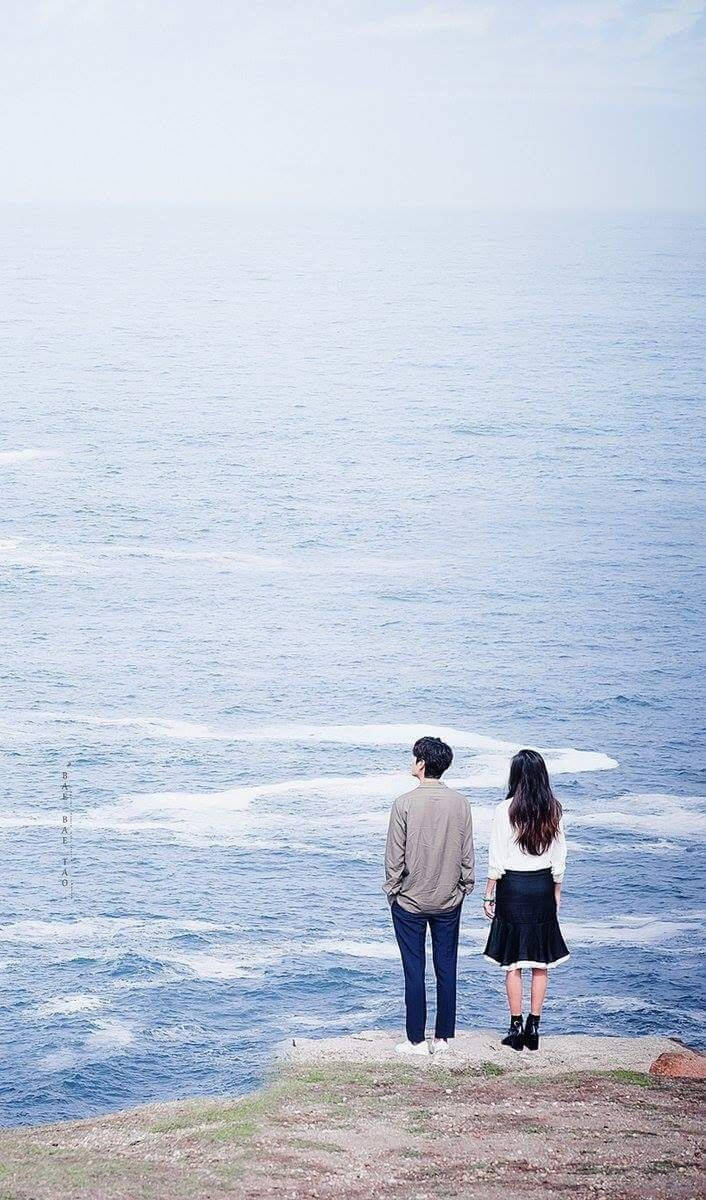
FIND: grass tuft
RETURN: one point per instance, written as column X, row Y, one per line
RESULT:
column 637, row 1078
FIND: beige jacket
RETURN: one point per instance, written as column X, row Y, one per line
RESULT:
column 429, row 857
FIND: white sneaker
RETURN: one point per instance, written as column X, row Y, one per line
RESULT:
column 440, row 1046
column 413, row 1049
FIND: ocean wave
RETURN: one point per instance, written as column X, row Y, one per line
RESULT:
column 52, row 560
column 629, row 931
column 59, row 1060
column 619, row 1004
column 45, row 933
column 10, row 458
column 668, row 816
column 67, row 1005
column 96, row 557
column 366, row 1015
column 327, row 815
column 370, row 735
column 150, row 951
column 229, row 559
column 180, row 1032
column 23, row 721
column 110, row 1035
column 621, row 847
column 490, row 753
column 170, row 809
column 226, row 965
column 135, row 954
column 94, row 930
column 378, row 949
column 355, row 949
column 231, row 806
column 107, row 1038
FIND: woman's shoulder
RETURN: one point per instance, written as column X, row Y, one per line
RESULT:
column 503, row 808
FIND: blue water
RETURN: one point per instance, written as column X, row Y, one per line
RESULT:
column 276, row 493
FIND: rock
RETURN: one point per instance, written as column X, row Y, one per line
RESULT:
column 482, row 1050
column 680, row 1064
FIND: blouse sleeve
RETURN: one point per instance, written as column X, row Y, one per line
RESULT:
column 558, row 854
column 496, row 848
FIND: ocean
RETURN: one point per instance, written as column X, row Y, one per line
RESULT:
column 279, row 492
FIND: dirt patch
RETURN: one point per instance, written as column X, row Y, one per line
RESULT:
column 365, row 1131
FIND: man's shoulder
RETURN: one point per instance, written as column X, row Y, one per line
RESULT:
column 404, row 799
column 456, row 796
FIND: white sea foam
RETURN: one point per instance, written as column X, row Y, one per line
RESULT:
column 183, row 1032
column 11, row 458
column 59, row 1060
column 227, row 558
column 28, row 820
column 635, row 1004
column 107, row 557
column 374, row 948
column 195, row 812
column 107, row 1038
column 86, row 929
column 53, row 560
column 109, row 940
column 95, row 557
column 132, row 932
column 487, row 768
column 622, row 848
column 657, row 813
column 135, row 984
column 371, row 735
column 66, row 1005
column 150, row 727
column 355, row 949
column 109, row 1035
column 628, row 931
column 212, row 966
column 239, row 799
column 232, row 559
column 226, row 964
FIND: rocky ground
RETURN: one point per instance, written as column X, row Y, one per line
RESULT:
column 345, row 1121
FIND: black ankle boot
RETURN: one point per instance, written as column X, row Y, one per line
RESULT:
column 531, row 1035
column 515, row 1035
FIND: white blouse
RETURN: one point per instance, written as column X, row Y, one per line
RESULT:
column 504, row 854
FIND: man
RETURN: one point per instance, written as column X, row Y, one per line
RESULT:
column 429, row 869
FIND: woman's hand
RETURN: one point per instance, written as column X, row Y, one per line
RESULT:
column 489, row 898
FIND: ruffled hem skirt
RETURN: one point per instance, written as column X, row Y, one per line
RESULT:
column 525, row 931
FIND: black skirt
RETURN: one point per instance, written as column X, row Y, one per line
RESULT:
column 524, row 931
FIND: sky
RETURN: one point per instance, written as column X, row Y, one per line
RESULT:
column 588, row 104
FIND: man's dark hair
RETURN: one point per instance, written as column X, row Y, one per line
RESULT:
column 435, row 754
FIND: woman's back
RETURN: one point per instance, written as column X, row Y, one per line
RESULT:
column 505, row 853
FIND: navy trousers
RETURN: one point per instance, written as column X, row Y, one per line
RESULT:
column 411, row 933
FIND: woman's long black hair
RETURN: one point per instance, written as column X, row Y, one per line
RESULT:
column 535, row 811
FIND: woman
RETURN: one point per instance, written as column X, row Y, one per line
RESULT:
column 526, row 863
